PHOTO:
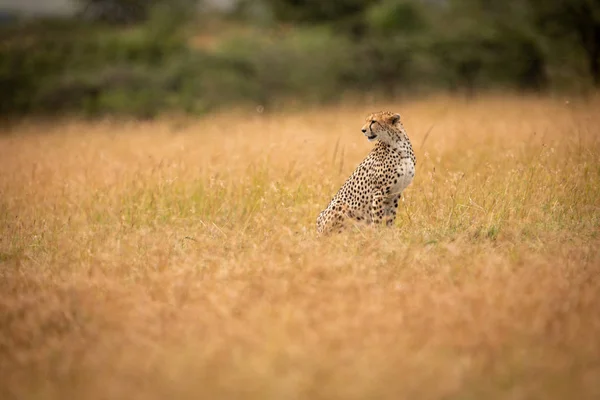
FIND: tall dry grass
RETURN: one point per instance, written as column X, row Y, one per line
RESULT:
column 178, row 259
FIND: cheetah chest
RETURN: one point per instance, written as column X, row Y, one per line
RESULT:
column 404, row 174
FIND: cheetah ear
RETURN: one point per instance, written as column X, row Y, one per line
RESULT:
column 395, row 118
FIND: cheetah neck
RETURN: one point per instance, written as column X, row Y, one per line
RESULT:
column 400, row 143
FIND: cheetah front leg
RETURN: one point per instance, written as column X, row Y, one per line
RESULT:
column 377, row 208
column 390, row 209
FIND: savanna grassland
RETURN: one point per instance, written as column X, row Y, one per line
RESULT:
column 178, row 259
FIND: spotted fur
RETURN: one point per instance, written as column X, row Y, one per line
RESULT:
column 372, row 192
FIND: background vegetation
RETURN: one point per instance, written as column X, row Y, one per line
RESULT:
column 141, row 57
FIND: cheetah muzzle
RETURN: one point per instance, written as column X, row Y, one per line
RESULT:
column 371, row 193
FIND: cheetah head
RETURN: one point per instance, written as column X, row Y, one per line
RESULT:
column 380, row 125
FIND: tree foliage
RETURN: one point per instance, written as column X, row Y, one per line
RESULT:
column 345, row 15
column 130, row 11
column 325, row 49
column 116, row 11
column 577, row 21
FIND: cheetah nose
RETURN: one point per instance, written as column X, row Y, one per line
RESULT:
column 364, row 130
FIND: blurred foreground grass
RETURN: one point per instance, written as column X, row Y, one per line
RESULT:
column 178, row 258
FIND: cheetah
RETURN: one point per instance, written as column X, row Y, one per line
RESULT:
column 372, row 192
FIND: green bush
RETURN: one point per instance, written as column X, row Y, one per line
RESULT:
column 308, row 64
column 95, row 71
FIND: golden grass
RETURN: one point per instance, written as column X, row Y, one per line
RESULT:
column 178, row 259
